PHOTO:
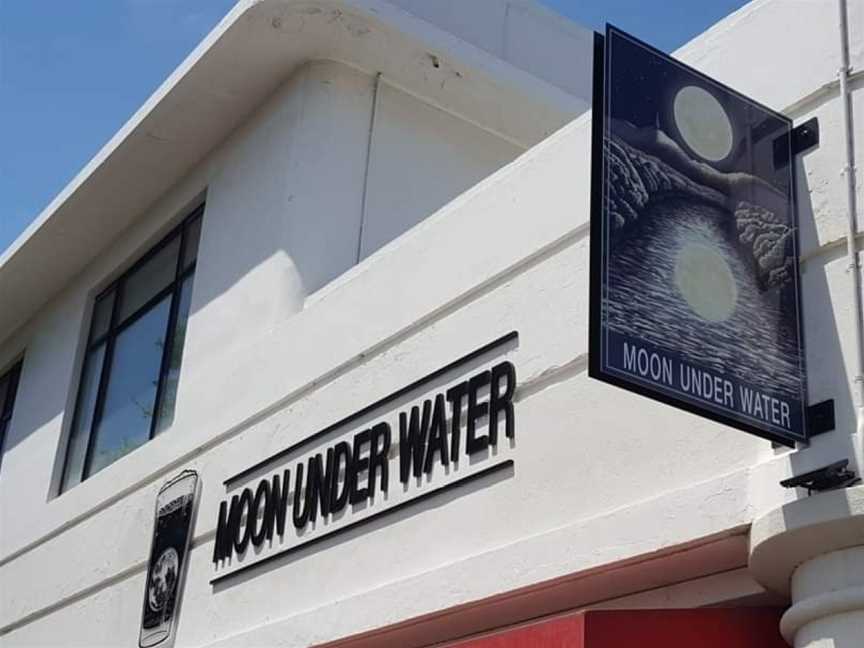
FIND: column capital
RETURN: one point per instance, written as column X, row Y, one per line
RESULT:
column 788, row 536
column 812, row 550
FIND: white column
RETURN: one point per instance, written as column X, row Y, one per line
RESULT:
column 812, row 550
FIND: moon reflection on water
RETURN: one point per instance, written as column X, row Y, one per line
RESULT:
column 679, row 277
column 705, row 280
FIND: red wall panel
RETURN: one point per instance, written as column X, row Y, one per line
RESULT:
column 562, row 632
column 697, row 628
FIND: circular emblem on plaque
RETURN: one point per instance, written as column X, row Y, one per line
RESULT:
column 163, row 579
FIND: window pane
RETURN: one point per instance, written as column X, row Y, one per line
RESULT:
column 131, row 391
column 4, row 388
column 190, row 244
column 169, row 390
column 102, row 315
column 149, row 279
column 4, row 415
column 3, row 425
column 83, row 419
column 8, row 386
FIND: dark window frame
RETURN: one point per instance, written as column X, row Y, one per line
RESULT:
column 116, row 327
column 7, row 407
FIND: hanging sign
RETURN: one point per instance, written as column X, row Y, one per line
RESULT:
column 694, row 282
column 169, row 548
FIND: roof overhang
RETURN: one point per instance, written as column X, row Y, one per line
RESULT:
column 252, row 51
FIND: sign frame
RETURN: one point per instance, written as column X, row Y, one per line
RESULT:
column 598, row 241
column 162, row 632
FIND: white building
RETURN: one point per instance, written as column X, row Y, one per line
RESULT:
column 386, row 188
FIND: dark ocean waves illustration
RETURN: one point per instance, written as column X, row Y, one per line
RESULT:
column 686, row 280
column 695, row 259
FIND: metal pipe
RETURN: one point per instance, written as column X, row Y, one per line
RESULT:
column 852, row 231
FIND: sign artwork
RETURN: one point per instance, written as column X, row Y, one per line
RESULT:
column 695, row 297
column 172, row 531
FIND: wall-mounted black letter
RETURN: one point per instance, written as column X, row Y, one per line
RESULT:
column 437, row 435
column 241, row 540
column 300, row 511
column 501, row 401
column 262, row 496
column 359, row 463
column 341, row 457
column 380, row 449
column 455, row 395
column 278, row 504
column 476, row 411
column 222, row 545
column 412, row 440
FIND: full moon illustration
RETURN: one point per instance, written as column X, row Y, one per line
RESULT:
column 163, row 579
column 706, row 282
column 703, row 123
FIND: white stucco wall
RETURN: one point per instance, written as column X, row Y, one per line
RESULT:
column 420, row 158
column 512, row 30
column 282, row 341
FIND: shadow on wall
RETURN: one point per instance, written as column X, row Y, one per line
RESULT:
column 285, row 196
column 307, row 178
column 825, row 374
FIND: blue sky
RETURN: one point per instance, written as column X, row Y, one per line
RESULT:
column 70, row 77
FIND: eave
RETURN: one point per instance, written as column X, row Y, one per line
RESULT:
column 236, row 67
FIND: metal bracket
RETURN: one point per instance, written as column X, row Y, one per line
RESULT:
column 820, row 417
column 801, row 138
column 830, row 477
column 805, row 136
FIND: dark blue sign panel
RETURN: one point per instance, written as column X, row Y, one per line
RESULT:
column 695, row 297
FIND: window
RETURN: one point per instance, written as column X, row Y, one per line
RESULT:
column 128, row 384
column 8, row 387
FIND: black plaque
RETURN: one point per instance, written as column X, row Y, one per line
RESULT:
column 169, row 548
column 695, row 283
